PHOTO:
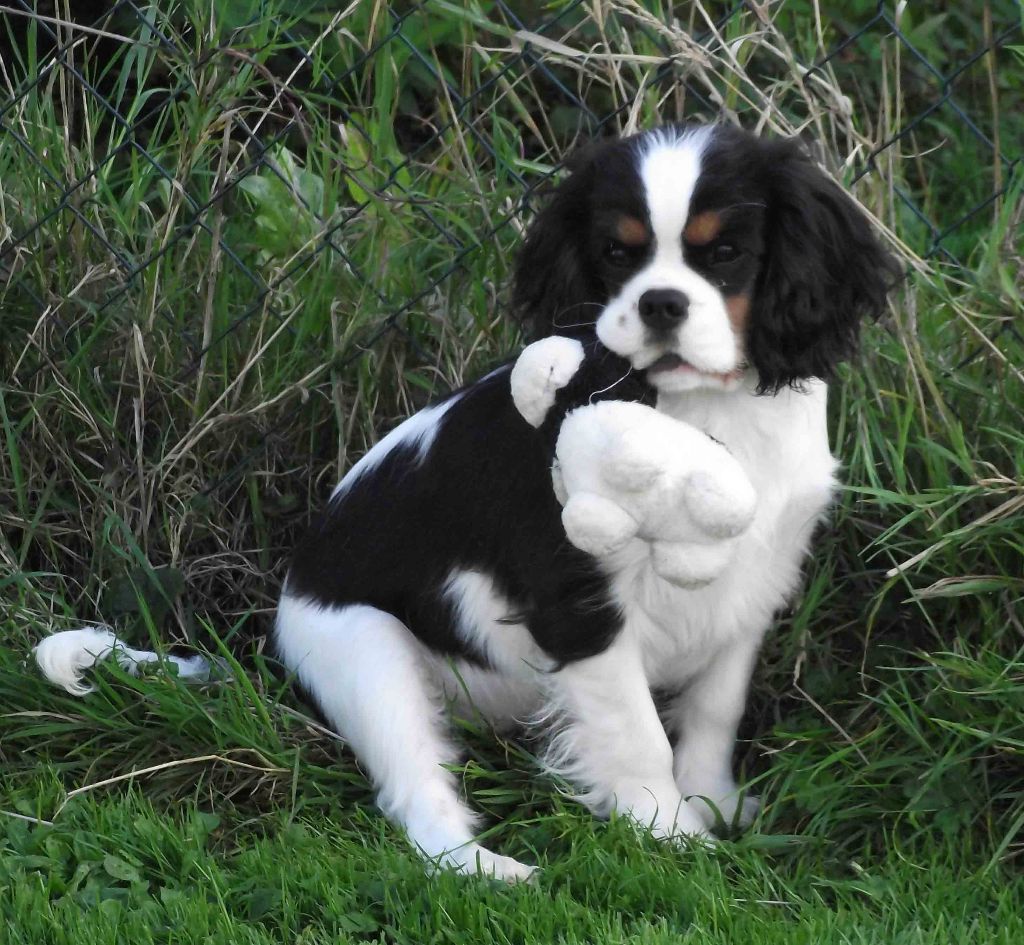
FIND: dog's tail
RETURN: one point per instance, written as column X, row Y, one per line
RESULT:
column 64, row 656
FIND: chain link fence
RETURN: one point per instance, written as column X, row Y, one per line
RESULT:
column 224, row 238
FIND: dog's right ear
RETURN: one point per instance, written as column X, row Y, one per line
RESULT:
column 553, row 290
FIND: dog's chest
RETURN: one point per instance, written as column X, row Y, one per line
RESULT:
column 782, row 443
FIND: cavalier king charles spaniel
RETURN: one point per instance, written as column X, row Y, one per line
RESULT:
column 619, row 514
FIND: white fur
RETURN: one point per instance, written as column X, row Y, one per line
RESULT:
column 485, row 620
column 704, row 718
column 384, row 691
column 704, row 640
column 510, row 691
column 707, row 637
column 373, row 681
column 543, row 369
column 63, row 658
column 419, row 430
column 612, row 745
column 622, row 477
column 669, row 169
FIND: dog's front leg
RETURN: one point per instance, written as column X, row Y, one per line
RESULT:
column 706, row 716
column 612, row 745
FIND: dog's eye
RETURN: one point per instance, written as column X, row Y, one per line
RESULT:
column 723, row 253
column 619, row 253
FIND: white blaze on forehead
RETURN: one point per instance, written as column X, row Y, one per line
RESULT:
column 669, row 168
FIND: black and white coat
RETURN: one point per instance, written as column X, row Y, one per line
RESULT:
column 623, row 510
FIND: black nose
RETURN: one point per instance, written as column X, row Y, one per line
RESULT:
column 662, row 309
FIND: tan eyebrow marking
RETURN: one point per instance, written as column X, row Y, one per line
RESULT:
column 631, row 231
column 703, row 228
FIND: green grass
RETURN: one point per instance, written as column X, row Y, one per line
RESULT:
column 276, row 840
column 163, row 436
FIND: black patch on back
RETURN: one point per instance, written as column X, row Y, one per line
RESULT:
column 480, row 499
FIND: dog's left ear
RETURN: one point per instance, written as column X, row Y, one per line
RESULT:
column 554, row 291
column 823, row 272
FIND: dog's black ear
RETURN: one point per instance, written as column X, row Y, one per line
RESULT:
column 554, row 291
column 823, row 272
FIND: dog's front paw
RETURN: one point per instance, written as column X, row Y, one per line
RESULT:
column 540, row 372
column 722, row 804
column 665, row 817
column 475, row 860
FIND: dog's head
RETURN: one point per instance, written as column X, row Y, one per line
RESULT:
column 699, row 251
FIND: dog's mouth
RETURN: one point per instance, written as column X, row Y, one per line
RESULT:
column 670, row 363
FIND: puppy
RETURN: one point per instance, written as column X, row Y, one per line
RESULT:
column 624, row 510
column 733, row 274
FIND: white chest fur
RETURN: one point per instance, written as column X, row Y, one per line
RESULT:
column 781, row 442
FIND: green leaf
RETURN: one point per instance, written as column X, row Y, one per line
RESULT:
column 121, row 869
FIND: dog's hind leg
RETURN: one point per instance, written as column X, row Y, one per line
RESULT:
column 369, row 676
